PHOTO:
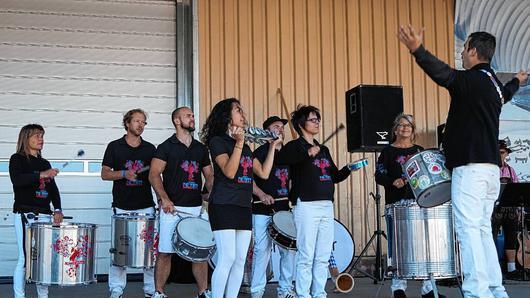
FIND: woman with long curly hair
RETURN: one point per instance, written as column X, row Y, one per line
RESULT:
column 229, row 207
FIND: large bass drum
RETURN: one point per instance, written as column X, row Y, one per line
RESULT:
column 428, row 177
column 424, row 241
column 61, row 254
column 134, row 240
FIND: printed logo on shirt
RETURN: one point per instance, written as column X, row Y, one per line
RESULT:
column 246, row 164
column 41, row 193
column 322, row 164
column 134, row 166
column 191, row 168
column 283, row 175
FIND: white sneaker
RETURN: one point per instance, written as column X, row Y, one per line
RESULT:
column 116, row 294
column 159, row 295
column 205, row 294
column 289, row 294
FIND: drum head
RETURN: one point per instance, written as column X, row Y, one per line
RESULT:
column 344, row 247
column 435, row 196
column 195, row 231
column 284, row 221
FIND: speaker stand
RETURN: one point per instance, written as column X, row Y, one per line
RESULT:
column 377, row 234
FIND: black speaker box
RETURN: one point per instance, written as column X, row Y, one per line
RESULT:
column 370, row 112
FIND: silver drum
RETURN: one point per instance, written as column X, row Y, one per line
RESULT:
column 428, row 177
column 134, row 240
column 61, row 254
column 193, row 239
column 424, row 241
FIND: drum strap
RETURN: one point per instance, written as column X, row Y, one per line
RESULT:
column 24, row 219
column 497, row 87
column 114, row 210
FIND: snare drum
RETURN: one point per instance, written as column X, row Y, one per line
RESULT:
column 61, row 254
column 282, row 231
column 193, row 239
column 423, row 241
column 428, row 177
column 133, row 240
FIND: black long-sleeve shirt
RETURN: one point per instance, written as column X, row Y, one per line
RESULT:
column 389, row 168
column 313, row 178
column 32, row 193
column 472, row 127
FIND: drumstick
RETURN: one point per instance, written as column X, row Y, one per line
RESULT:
column 146, row 168
column 336, row 131
column 286, row 111
column 275, row 200
column 80, row 153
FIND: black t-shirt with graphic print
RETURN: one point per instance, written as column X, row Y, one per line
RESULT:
column 277, row 185
column 389, row 169
column 183, row 173
column 313, row 178
column 130, row 195
column 237, row 191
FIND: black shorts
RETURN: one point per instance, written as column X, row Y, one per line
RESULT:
column 229, row 217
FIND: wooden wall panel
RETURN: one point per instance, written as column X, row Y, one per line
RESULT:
column 315, row 50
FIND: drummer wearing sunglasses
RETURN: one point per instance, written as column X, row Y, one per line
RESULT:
column 389, row 174
column 34, row 188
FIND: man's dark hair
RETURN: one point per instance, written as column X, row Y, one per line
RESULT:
column 300, row 115
column 484, row 43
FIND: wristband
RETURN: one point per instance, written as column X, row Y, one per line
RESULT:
column 57, row 211
column 123, row 173
column 239, row 147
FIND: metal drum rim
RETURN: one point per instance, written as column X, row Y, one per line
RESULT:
column 134, row 216
column 63, row 225
column 92, row 281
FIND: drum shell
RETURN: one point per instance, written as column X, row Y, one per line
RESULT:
column 423, row 242
column 61, row 255
column 190, row 251
column 429, row 179
column 133, row 240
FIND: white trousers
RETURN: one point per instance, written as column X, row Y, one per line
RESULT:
column 19, row 276
column 474, row 190
column 314, row 223
column 232, row 248
column 262, row 255
column 118, row 275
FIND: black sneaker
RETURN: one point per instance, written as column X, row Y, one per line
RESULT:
column 431, row 295
column 399, row 294
column 514, row 275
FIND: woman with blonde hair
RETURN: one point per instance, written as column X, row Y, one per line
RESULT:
column 391, row 176
column 34, row 189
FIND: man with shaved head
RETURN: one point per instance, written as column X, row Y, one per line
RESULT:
column 176, row 177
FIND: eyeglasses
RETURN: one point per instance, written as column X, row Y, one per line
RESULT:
column 404, row 125
column 313, row 120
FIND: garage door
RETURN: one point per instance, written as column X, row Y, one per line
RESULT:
column 75, row 67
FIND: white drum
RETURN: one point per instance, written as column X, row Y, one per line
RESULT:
column 282, row 231
column 193, row 239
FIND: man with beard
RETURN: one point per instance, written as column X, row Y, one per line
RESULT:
column 180, row 160
column 131, row 191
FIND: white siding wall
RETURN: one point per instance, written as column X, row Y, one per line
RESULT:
column 75, row 67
